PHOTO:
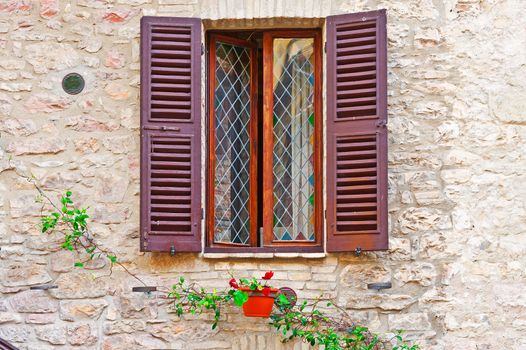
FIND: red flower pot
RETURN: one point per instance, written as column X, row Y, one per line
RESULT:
column 258, row 305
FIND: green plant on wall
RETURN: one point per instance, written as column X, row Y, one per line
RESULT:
column 72, row 222
column 304, row 321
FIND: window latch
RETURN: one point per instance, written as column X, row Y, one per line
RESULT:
column 172, row 250
column 381, row 123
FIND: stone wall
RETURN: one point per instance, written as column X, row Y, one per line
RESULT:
column 457, row 165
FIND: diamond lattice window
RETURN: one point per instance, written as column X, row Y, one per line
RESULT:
column 265, row 140
column 293, row 131
column 232, row 144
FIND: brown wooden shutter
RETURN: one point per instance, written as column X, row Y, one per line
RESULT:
column 170, row 134
column 357, row 132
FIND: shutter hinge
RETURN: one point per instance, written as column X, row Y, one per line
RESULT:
column 202, row 49
column 325, row 47
column 325, row 213
column 172, row 250
column 358, row 251
column 381, row 123
column 202, row 213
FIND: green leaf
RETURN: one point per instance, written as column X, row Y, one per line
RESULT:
column 240, row 297
column 79, row 264
column 283, row 300
column 112, row 258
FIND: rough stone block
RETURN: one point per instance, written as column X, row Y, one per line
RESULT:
column 33, row 302
column 82, row 309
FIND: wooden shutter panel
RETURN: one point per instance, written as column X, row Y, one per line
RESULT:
column 357, row 132
column 170, row 134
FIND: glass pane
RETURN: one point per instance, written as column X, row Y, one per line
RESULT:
column 232, row 138
column 293, row 153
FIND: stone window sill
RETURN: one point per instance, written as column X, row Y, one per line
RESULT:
column 263, row 255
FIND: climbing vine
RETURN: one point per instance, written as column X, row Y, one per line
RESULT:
column 334, row 329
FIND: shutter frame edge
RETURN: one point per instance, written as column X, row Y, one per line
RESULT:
column 379, row 241
column 163, row 243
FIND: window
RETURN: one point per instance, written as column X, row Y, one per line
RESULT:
column 264, row 153
column 263, row 135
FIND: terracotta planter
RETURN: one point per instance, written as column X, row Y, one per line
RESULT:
column 258, row 305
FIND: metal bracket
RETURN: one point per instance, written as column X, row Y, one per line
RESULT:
column 145, row 289
column 43, row 287
column 358, row 251
column 202, row 49
column 379, row 286
column 172, row 250
column 325, row 47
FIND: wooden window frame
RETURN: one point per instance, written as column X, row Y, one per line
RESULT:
column 214, row 38
column 268, row 144
column 267, row 244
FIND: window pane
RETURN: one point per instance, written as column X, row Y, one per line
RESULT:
column 293, row 153
column 232, row 140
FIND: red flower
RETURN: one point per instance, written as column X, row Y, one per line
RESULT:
column 266, row 291
column 268, row 275
column 233, row 283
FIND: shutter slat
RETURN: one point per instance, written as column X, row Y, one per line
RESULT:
column 171, row 134
column 355, row 172
column 357, row 189
column 357, row 84
column 165, row 45
column 171, row 113
column 346, row 94
column 351, row 58
column 171, row 62
column 167, row 198
column 357, row 145
column 161, row 215
column 171, row 37
column 347, row 33
column 170, row 87
column 357, row 41
column 356, row 132
column 174, row 71
column 343, row 207
column 352, row 50
column 170, row 79
column 357, row 101
column 368, row 74
column 168, row 165
column 171, row 53
column 356, row 154
column 355, row 67
column 172, row 148
column 162, row 95
column 178, row 207
column 360, row 163
column 166, row 103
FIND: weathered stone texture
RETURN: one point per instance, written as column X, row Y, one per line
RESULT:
column 457, row 160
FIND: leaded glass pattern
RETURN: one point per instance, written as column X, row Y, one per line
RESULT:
column 293, row 132
column 232, row 144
